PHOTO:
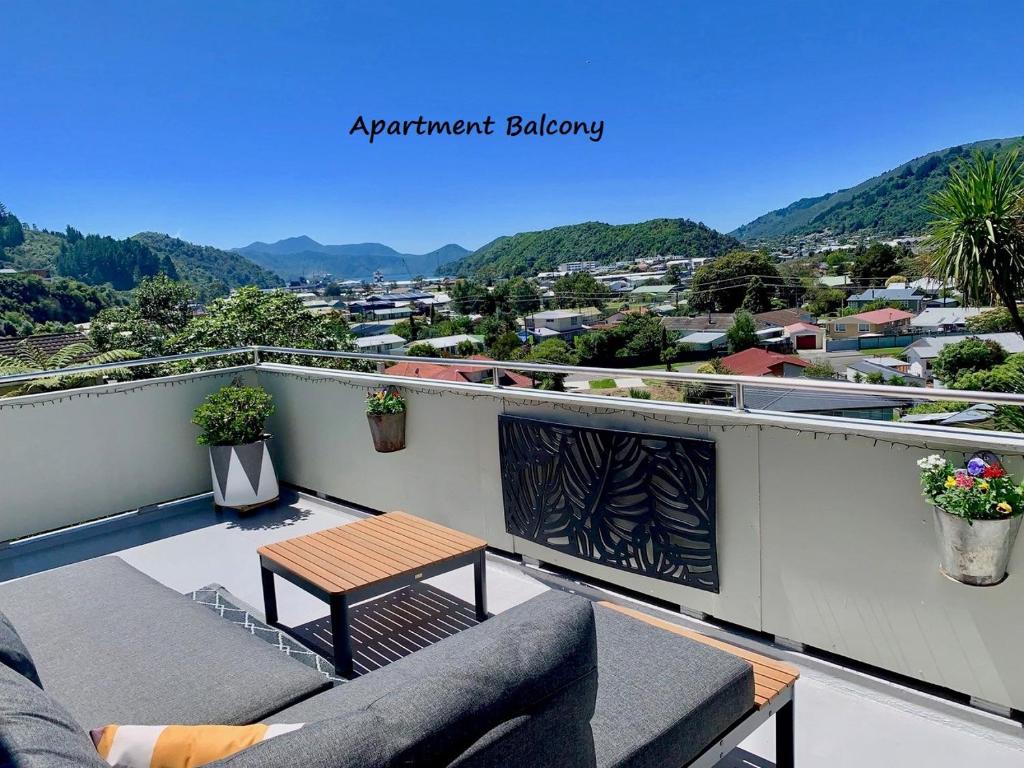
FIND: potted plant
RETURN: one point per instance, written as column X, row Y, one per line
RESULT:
column 232, row 422
column 385, row 410
column 977, row 515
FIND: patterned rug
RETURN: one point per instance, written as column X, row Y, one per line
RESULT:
column 382, row 630
column 218, row 599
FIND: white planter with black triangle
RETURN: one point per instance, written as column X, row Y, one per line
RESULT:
column 243, row 475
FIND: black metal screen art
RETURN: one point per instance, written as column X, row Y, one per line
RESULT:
column 634, row 501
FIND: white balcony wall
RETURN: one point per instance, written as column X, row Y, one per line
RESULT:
column 822, row 540
column 70, row 457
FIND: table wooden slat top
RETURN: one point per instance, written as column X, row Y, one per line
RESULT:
column 359, row 554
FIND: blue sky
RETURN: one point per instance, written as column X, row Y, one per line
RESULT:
column 228, row 122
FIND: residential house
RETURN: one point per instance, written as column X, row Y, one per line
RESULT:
column 705, row 341
column 393, row 313
column 945, row 319
column 450, row 343
column 805, row 335
column 851, row 406
column 781, row 318
column 877, row 322
column 559, row 323
column 922, row 353
column 888, row 368
column 475, row 374
column 908, row 298
column 761, row 362
column 374, row 328
column 384, row 344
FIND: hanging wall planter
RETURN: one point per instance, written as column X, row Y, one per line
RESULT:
column 232, row 421
column 385, row 412
column 977, row 516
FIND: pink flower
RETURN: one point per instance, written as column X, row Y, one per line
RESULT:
column 965, row 481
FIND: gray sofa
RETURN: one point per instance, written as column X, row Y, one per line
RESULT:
column 552, row 682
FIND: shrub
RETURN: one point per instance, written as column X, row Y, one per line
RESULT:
column 234, row 415
column 602, row 384
column 639, row 394
column 971, row 354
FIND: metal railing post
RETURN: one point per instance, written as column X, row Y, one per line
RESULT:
column 255, row 355
column 740, row 405
column 496, row 373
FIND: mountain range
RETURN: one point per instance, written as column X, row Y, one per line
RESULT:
column 303, row 256
column 889, row 204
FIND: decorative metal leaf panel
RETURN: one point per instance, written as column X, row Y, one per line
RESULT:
column 639, row 502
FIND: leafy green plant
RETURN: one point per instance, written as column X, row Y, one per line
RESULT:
column 602, row 384
column 30, row 359
column 980, row 491
column 385, row 401
column 979, row 230
column 233, row 415
column 639, row 394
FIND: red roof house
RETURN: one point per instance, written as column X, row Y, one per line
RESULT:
column 760, row 362
column 458, row 373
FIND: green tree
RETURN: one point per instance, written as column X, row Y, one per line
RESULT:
column 580, row 289
column 822, row 300
column 878, row 261
column 819, row 369
column 996, row 320
column 979, row 230
column 757, row 298
column 742, row 334
column 251, row 317
column 12, row 234
column 967, row 356
column 469, row 296
column 505, row 346
column 518, row 296
column 721, row 285
column 160, row 308
column 556, row 352
column 421, row 349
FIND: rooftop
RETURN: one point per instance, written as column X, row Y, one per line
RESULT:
column 759, row 362
column 825, row 552
column 930, row 346
column 881, row 316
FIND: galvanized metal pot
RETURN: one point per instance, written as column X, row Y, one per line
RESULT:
column 387, row 430
column 977, row 552
column 243, row 475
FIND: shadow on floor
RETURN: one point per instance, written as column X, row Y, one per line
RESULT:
column 391, row 627
column 284, row 512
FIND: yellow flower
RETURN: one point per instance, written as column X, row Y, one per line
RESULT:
column 982, row 486
column 1004, row 507
column 950, row 482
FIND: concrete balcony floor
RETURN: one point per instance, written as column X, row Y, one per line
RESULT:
column 843, row 717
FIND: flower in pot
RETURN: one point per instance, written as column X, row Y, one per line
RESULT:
column 977, row 515
column 232, row 421
column 385, row 410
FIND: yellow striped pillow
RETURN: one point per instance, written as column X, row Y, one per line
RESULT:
column 179, row 746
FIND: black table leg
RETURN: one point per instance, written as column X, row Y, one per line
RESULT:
column 785, row 747
column 340, row 636
column 480, row 584
column 269, row 596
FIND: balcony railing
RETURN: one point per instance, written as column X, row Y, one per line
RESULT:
column 823, row 537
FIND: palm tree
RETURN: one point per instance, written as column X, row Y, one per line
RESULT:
column 979, row 230
column 30, row 359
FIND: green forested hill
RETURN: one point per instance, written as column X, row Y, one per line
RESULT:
column 530, row 252
column 889, row 204
column 211, row 270
column 101, row 260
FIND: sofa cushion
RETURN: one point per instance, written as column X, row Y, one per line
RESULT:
column 14, row 654
column 115, row 646
column 662, row 698
column 472, row 694
column 36, row 732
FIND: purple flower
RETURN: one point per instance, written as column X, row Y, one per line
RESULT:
column 975, row 467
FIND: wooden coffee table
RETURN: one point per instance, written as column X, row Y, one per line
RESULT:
column 367, row 558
